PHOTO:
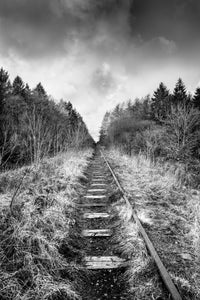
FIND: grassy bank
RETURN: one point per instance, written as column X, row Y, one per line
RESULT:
column 170, row 213
column 141, row 275
column 37, row 250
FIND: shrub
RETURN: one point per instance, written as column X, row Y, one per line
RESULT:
column 181, row 136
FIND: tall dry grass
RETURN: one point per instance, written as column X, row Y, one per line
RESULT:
column 141, row 275
column 37, row 251
column 170, row 213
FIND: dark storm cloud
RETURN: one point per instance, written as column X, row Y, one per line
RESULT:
column 36, row 27
column 48, row 27
column 177, row 20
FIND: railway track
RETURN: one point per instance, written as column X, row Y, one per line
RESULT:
column 104, row 264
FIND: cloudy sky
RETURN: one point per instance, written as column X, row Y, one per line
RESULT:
column 97, row 53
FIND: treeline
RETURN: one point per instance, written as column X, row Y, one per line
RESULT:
column 165, row 125
column 32, row 125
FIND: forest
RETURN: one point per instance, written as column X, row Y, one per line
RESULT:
column 165, row 126
column 34, row 126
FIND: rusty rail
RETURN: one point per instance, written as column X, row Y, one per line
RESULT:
column 161, row 268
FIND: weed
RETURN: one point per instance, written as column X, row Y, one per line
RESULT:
column 37, row 250
column 169, row 212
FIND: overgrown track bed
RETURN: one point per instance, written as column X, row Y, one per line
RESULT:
column 115, row 253
column 105, row 269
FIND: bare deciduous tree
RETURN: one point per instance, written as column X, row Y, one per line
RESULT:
column 181, row 131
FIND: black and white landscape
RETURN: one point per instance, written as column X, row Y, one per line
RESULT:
column 99, row 149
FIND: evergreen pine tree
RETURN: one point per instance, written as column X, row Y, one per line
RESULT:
column 104, row 128
column 160, row 102
column 74, row 119
column 40, row 90
column 26, row 92
column 4, row 87
column 18, row 86
column 146, row 108
column 65, row 107
column 68, row 108
column 196, row 99
column 180, row 95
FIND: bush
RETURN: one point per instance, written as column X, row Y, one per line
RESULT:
column 124, row 130
column 181, row 135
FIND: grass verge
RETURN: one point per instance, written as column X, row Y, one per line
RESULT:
column 170, row 213
column 141, row 275
column 38, row 251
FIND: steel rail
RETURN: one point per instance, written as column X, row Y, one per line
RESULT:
column 162, row 270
